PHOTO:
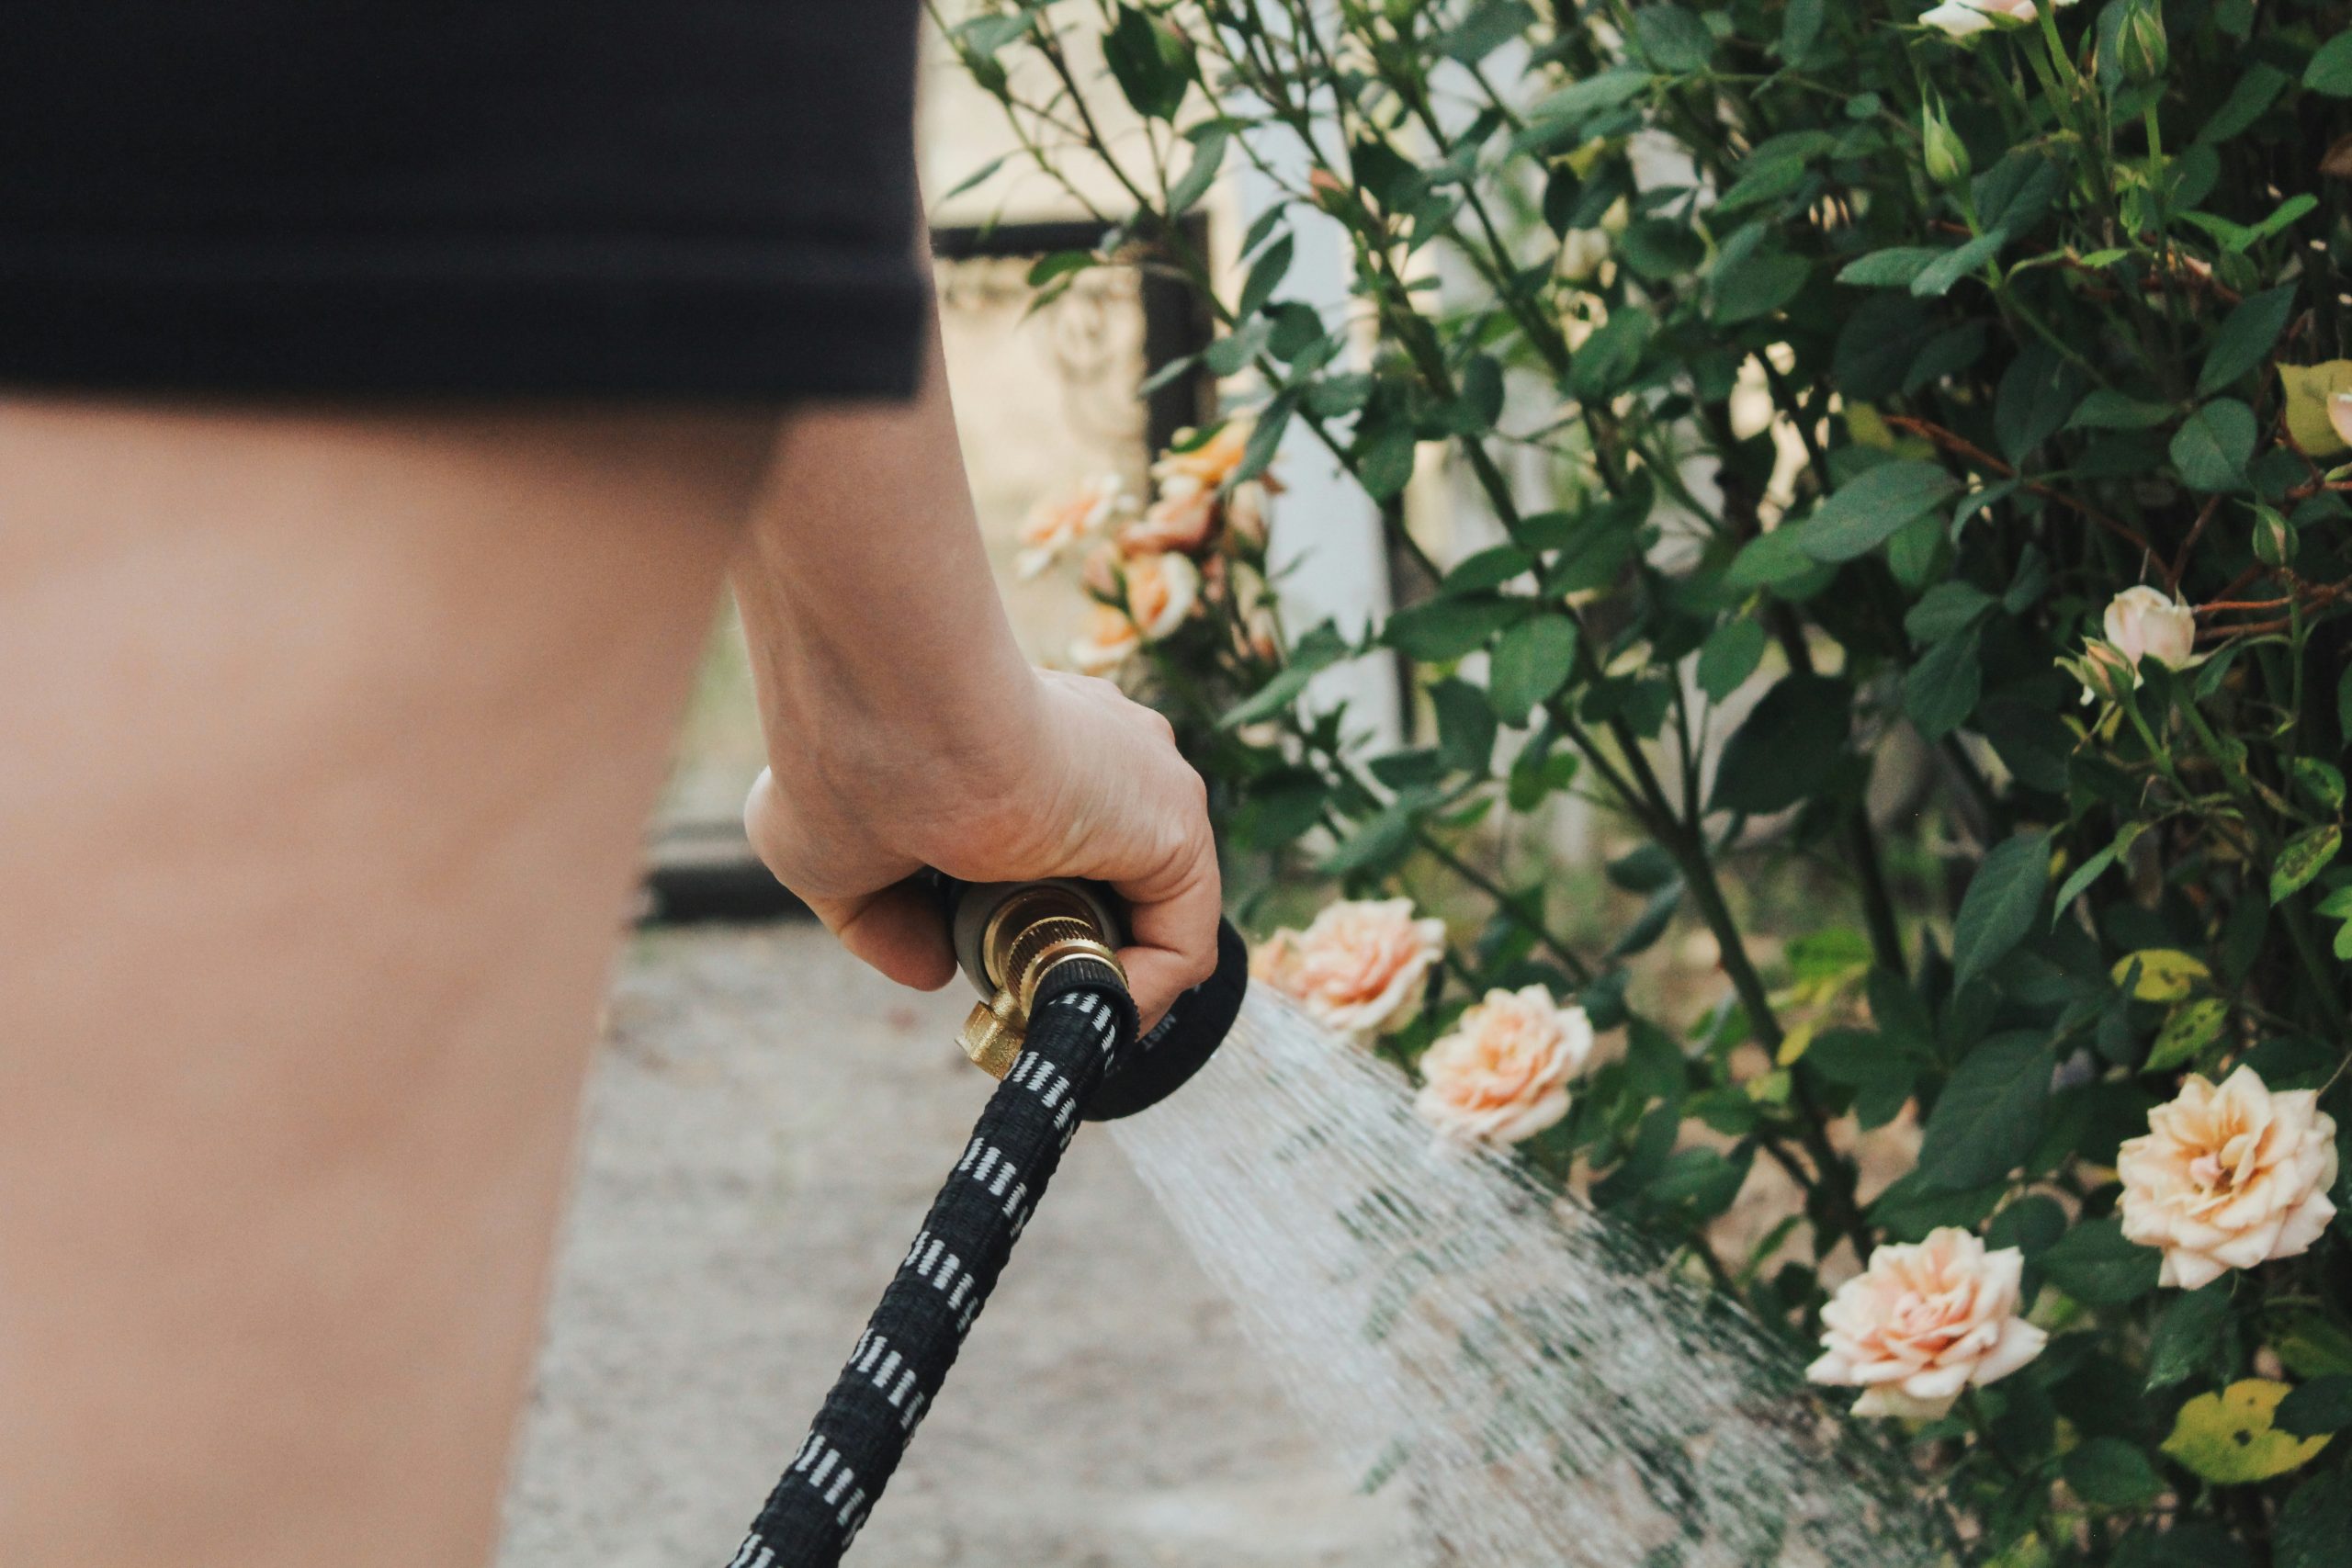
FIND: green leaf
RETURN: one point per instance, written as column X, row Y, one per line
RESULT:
column 1936, row 279
column 1945, row 611
column 2108, row 409
column 2306, row 855
column 2187, row 1334
column 2211, row 446
column 1909, row 1209
column 1265, row 275
column 1860, row 1056
column 1989, row 1116
column 1486, row 570
column 1788, row 748
column 2323, row 782
column 1756, row 285
column 1867, row 510
column 2316, row 1524
column 1465, row 725
column 2330, row 71
column 1380, row 840
column 1450, row 627
column 1998, row 908
column 2246, row 336
column 980, row 176
column 2037, row 393
column 2032, row 1225
column 2095, row 1266
column 2032, row 742
column 1151, row 62
column 2111, row 1473
column 1940, row 691
column 1059, row 263
column 1384, row 461
column 1892, row 268
column 2255, row 91
column 1673, row 38
column 1580, row 101
column 2081, row 877
column 2322, row 1404
column 1800, row 25
column 1315, row 651
column 1605, row 361
column 1730, row 656
column 1485, row 30
column 1771, row 558
column 1531, row 662
column 2231, row 1438
column 1208, row 157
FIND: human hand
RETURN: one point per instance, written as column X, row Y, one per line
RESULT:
column 1074, row 779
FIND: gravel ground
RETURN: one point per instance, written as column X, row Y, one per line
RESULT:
column 767, row 1125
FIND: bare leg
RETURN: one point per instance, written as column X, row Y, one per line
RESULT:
column 325, row 746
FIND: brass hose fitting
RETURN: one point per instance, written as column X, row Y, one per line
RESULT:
column 1033, row 930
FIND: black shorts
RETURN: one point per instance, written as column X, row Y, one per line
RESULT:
column 677, row 199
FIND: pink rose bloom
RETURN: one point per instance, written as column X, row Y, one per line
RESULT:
column 2226, row 1178
column 1924, row 1322
column 1357, row 969
column 1502, row 1076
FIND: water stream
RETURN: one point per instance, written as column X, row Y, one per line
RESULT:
column 1544, row 1389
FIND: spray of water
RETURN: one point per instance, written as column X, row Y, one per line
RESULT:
column 1547, row 1393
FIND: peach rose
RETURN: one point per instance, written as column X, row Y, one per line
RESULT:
column 1173, row 523
column 1502, row 1076
column 1924, row 1322
column 2226, row 1178
column 1358, row 967
column 1966, row 19
column 1109, row 640
column 1160, row 591
column 2145, row 622
column 1058, row 524
column 1206, row 467
column 1158, row 594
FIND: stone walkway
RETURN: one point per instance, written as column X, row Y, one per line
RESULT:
column 768, row 1123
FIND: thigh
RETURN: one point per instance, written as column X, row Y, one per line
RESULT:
column 325, row 743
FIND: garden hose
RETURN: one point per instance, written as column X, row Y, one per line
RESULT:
column 1057, row 1029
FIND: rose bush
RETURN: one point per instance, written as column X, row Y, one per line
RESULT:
column 1896, row 462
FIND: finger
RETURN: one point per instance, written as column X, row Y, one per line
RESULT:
column 1172, row 929
column 896, row 931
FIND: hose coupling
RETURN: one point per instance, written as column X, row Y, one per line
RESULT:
column 1009, row 937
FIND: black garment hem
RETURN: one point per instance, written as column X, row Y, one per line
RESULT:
column 561, row 319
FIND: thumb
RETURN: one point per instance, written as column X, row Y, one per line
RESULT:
column 897, row 930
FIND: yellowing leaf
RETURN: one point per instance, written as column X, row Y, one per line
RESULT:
column 2308, row 387
column 1794, row 1045
column 2166, row 974
column 2191, row 1027
column 2227, row 1436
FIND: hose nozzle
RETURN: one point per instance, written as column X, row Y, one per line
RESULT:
column 1009, row 937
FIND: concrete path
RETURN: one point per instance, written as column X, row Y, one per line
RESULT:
column 768, row 1122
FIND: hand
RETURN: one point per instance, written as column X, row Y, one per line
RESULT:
column 1076, row 779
